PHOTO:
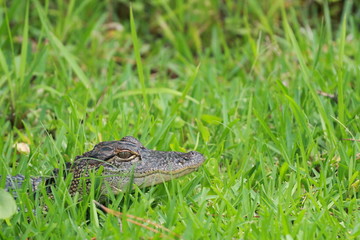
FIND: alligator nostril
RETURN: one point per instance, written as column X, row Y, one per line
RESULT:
column 189, row 155
column 193, row 153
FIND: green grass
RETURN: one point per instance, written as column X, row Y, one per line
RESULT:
column 236, row 82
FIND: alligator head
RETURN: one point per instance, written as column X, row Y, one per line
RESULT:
column 127, row 160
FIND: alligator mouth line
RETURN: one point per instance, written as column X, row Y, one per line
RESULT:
column 168, row 173
column 134, row 174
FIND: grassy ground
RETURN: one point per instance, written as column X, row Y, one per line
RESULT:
column 237, row 82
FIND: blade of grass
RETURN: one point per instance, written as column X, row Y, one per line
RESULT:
column 24, row 47
column 340, row 82
column 155, row 91
column 5, row 68
column 139, row 65
column 132, row 218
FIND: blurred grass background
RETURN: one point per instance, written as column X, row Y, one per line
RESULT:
column 266, row 90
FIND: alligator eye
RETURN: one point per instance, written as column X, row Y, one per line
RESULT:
column 126, row 155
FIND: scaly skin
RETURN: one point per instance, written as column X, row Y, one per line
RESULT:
column 118, row 163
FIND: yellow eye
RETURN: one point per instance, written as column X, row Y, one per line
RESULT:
column 126, row 155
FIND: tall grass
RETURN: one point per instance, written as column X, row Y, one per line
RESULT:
column 267, row 91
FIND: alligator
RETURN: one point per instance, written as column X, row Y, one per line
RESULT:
column 118, row 163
